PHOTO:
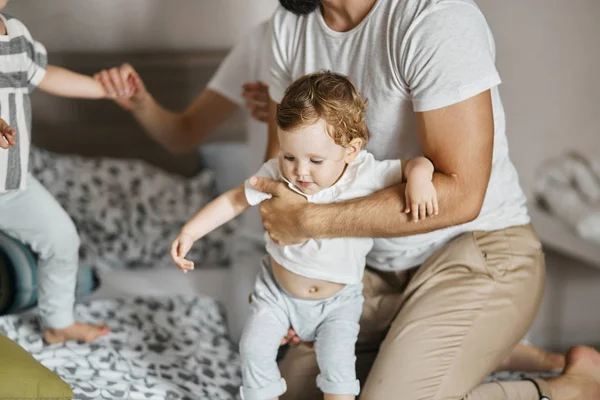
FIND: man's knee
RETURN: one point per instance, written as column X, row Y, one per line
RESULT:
column 299, row 369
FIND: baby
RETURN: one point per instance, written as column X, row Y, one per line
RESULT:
column 314, row 287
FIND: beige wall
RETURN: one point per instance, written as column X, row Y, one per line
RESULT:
column 549, row 60
column 109, row 25
column 548, row 57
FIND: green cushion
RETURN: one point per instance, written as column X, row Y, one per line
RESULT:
column 23, row 377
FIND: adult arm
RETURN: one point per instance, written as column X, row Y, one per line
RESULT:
column 234, row 84
column 458, row 139
column 181, row 132
column 178, row 132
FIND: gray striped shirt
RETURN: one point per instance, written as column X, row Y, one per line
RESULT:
column 22, row 67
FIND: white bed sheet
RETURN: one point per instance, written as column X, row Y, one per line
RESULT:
column 229, row 286
column 165, row 281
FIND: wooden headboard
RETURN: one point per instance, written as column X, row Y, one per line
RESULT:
column 101, row 128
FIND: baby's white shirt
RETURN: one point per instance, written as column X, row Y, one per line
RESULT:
column 340, row 260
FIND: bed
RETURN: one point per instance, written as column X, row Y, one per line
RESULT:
column 170, row 336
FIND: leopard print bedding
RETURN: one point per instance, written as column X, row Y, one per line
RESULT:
column 128, row 211
column 158, row 348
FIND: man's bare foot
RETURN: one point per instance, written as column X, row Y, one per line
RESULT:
column 531, row 359
column 76, row 331
column 581, row 377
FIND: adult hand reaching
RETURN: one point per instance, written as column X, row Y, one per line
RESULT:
column 283, row 215
column 256, row 95
column 124, row 85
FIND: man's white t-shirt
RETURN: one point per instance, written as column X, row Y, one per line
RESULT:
column 406, row 56
column 245, row 63
column 340, row 260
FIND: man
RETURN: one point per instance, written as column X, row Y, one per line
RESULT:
column 447, row 298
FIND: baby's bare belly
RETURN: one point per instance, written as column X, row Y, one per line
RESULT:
column 303, row 287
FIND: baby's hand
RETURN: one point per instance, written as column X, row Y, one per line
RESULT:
column 7, row 135
column 421, row 199
column 179, row 249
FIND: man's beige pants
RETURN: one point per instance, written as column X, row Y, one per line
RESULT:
column 436, row 331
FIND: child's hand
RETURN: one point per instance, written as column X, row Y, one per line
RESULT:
column 257, row 100
column 7, row 135
column 123, row 85
column 179, row 249
column 421, row 199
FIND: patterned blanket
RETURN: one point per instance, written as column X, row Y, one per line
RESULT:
column 127, row 211
column 159, row 348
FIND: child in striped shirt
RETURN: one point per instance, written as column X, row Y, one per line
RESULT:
column 28, row 212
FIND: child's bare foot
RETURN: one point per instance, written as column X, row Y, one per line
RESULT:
column 531, row 359
column 581, row 378
column 76, row 331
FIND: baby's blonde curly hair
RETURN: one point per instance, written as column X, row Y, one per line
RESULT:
column 329, row 96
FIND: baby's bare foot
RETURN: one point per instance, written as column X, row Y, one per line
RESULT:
column 531, row 359
column 77, row 331
column 581, row 378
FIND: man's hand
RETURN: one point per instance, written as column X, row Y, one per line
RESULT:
column 123, row 85
column 256, row 95
column 283, row 214
column 294, row 340
column 291, row 338
column 7, row 135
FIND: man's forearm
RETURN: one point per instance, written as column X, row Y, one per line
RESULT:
column 459, row 141
column 164, row 126
column 184, row 131
column 382, row 214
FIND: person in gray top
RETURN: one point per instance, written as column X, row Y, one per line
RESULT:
column 28, row 212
